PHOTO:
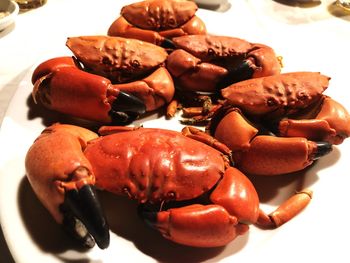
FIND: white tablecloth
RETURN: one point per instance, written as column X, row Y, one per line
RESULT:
column 319, row 36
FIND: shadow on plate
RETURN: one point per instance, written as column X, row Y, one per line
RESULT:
column 44, row 231
column 50, row 117
column 224, row 7
column 124, row 222
column 4, row 251
column 7, row 30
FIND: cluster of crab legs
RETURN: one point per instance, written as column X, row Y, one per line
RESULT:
column 191, row 185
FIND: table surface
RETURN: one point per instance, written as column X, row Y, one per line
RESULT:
column 316, row 33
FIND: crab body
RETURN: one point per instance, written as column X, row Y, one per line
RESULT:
column 159, row 166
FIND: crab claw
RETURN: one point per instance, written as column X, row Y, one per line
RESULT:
column 126, row 108
column 61, row 177
column 84, row 218
column 242, row 72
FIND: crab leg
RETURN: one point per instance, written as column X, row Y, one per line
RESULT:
column 62, row 179
column 285, row 212
column 262, row 154
column 268, row 155
column 229, row 192
column 327, row 121
column 122, row 28
column 194, row 26
column 196, row 225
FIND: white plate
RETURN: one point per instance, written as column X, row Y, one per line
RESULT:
column 319, row 233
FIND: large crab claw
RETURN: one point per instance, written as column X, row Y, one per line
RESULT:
column 155, row 21
column 61, row 86
column 326, row 120
column 64, row 183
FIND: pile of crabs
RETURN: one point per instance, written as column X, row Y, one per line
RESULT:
column 157, row 56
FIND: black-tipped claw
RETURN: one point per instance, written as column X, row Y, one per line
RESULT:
column 323, row 148
column 126, row 108
column 168, row 44
column 242, row 72
column 84, row 217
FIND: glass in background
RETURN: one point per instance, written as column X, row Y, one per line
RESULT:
column 25, row 5
column 344, row 4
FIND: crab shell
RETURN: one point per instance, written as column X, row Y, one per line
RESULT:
column 118, row 59
column 159, row 14
column 280, row 95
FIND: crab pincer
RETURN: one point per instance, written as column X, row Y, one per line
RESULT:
column 64, row 183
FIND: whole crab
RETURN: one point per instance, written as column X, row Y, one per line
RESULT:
column 158, row 21
column 272, row 124
column 111, row 79
column 158, row 168
column 208, row 63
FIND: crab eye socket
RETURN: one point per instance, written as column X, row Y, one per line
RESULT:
column 106, row 61
column 272, row 102
column 135, row 64
column 171, row 22
column 211, row 52
column 171, row 195
column 150, row 22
